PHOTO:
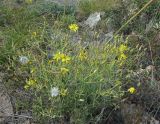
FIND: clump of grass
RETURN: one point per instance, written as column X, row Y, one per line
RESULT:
column 19, row 22
column 66, row 79
column 69, row 79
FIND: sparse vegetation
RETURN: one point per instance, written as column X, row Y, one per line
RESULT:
column 60, row 71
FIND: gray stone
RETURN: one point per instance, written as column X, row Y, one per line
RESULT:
column 6, row 109
column 149, row 26
column 135, row 114
column 93, row 19
column 109, row 36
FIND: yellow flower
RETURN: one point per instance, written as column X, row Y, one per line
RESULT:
column 66, row 59
column 28, row 1
column 123, row 48
column 73, row 27
column 58, row 56
column 132, row 90
column 82, row 55
column 30, row 83
column 64, row 71
column 34, row 34
column 64, row 92
column 122, row 56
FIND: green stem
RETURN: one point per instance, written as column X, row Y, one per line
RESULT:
column 135, row 15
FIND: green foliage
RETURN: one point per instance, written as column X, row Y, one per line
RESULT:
column 128, row 9
column 65, row 79
column 87, row 79
column 59, row 10
column 20, row 21
column 89, row 6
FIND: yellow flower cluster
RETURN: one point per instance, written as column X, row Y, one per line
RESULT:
column 30, row 83
column 34, row 34
column 28, row 1
column 122, row 56
column 132, row 90
column 82, row 55
column 64, row 71
column 73, row 27
column 64, row 92
column 122, row 49
column 62, row 57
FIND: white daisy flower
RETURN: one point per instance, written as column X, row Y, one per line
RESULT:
column 54, row 91
column 23, row 60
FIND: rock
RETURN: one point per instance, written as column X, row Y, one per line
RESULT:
column 135, row 114
column 143, row 19
column 1, row 76
column 110, row 25
column 6, row 109
column 148, row 119
column 141, row 71
column 150, row 68
column 93, row 19
column 131, row 113
column 156, row 25
column 109, row 36
column 154, row 121
column 24, row 118
column 26, row 122
column 149, row 26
